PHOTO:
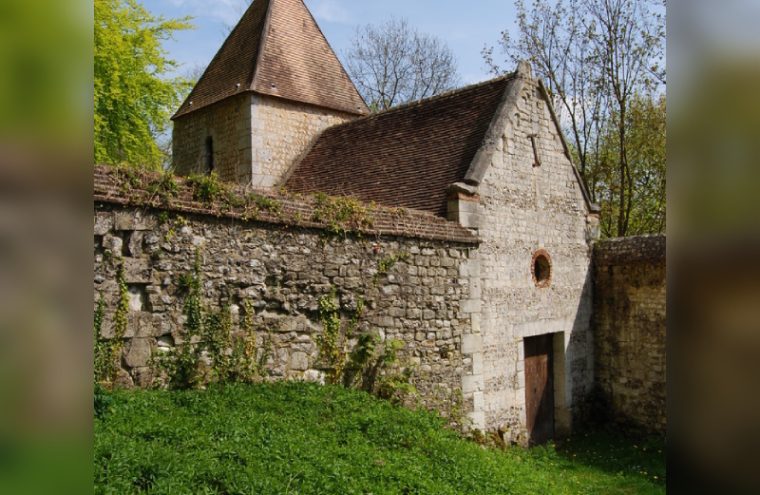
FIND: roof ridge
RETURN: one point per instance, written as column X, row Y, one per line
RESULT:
column 182, row 109
column 262, row 42
column 329, row 45
column 430, row 99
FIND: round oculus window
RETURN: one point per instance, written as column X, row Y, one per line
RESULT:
column 542, row 268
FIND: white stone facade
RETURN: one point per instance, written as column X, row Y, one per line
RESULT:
column 524, row 207
column 282, row 132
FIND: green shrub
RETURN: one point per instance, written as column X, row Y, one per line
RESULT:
column 341, row 214
column 206, row 188
column 165, row 187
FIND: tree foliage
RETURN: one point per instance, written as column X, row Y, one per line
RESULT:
column 133, row 96
column 600, row 58
column 645, row 182
column 392, row 63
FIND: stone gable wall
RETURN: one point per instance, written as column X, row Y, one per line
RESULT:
column 630, row 328
column 228, row 123
column 525, row 208
column 282, row 133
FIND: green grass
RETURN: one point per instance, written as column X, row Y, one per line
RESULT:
column 300, row 438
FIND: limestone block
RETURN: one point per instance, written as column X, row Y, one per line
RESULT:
column 139, row 324
column 471, row 343
column 478, row 401
column 135, row 245
column 469, row 268
column 475, row 322
column 133, row 220
column 143, row 377
column 299, row 361
column 139, row 353
column 470, row 306
column 315, row 376
column 103, row 222
column 472, row 383
column 477, row 420
column 137, row 271
column 113, row 243
column 123, row 379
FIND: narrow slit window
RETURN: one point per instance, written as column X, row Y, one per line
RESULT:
column 536, row 159
column 209, row 155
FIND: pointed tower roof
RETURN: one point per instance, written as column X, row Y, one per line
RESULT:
column 277, row 49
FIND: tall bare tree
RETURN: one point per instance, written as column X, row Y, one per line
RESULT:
column 559, row 45
column 627, row 44
column 595, row 56
column 392, row 63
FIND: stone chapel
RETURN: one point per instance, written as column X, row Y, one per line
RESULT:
column 276, row 109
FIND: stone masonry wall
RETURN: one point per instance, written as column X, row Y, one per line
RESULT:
column 283, row 131
column 282, row 264
column 228, row 123
column 629, row 322
column 256, row 139
column 526, row 207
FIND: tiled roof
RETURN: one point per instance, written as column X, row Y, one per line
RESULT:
column 277, row 49
column 407, row 156
column 135, row 188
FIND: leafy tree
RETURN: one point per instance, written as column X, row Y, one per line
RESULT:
column 133, row 95
column 646, row 159
column 393, row 63
column 598, row 57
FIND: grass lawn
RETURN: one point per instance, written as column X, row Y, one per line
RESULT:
column 301, row 438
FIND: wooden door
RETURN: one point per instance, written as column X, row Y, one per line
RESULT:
column 539, row 388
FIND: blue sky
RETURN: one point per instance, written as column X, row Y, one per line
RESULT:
column 466, row 25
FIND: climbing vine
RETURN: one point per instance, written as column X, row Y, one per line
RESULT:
column 330, row 341
column 368, row 365
column 182, row 365
column 99, row 349
column 246, row 364
column 211, row 349
column 107, row 352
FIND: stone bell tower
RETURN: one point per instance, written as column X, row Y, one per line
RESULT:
column 270, row 90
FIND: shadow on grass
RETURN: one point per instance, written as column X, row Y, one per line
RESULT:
column 613, row 451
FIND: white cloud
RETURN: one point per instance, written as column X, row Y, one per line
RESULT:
column 330, row 11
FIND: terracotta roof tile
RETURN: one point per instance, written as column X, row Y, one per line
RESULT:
column 277, row 49
column 136, row 188
column 407, row 156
